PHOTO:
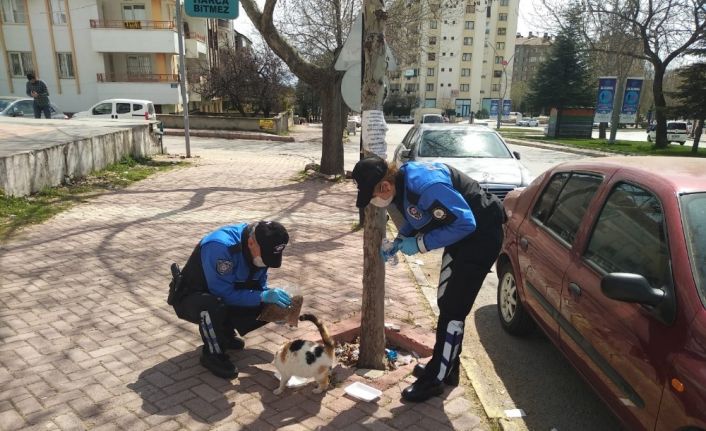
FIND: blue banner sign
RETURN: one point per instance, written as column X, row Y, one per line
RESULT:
column 604, row 105
column 494, row 107
column 220, row 9
column 631, row 100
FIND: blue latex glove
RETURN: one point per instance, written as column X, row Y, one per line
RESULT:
column 386, row 252
column 276, row 296
column 409, row 246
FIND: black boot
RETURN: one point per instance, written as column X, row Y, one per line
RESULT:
column 451, row 379
column 235, row 343
column 422, row 390
column 219, row 364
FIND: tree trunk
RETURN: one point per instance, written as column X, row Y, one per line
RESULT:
column 372, row 322
column 660, row 108
column 698, row 128
column 617, row 104
column 332, row 112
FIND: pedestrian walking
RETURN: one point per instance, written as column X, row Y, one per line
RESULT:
column 443, row 208
column 37, row 89
column 223, row 287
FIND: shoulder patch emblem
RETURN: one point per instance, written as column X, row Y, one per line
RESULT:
column 224, row 266
column 439, row 213
column 414, row 212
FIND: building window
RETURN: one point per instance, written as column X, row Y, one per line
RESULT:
column 58, row 13
column 467, row 56
column 13, row 11
column 431, row 56
column 430, row 71
column 430, row 86
column 441, row 85
column 496, row 87
column 502, row 31
column 443, row 54
column 470, row 8
column 504, row 2
column 139, row 65
column 468, row 41
column 502, row 17
column 450, row 69
column 453, row 38
column 442, row 69
column 434, row 7
column 500, row 45
column 451, row 54
column 469, row 25
column 444, row 37
column 498, row 59
column 465, row 87
column 432, row 24
column 465, row 72
column 432, row 40
column 497, row 74
column 21, row 63
column 66, row 65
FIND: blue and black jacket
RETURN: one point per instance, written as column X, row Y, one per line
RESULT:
column 221, row 264
column 442, row 205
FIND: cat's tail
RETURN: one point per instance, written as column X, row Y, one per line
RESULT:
column 328, row 341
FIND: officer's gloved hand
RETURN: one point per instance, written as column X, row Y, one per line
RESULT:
column 276, row 296
column 409, row 246
column 389, row 249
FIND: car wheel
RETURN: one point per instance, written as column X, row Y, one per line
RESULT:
column 682, row 143
column 513, row 316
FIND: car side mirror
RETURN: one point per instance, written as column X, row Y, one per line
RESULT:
column 516, row 154
column 404, row 154
column 627, row 287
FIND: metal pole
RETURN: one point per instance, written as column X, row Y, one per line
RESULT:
column 182, row 78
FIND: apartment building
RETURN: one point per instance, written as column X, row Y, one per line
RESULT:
column 90, row 50
column 465, row 54
column 530, row 52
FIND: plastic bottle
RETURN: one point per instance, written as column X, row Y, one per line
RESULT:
column 387, row 245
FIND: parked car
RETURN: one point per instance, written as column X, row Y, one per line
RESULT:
column 476, row 150
column 607, row 257
column 133, row 109
column 24, row 107
column 433, row 118
column 356, row 119
column 676, row 132
column 528, row 122
column 406, row 119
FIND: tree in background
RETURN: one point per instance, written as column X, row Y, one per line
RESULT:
column 308, row 37
column 691, row 93
column 308, row 101
column 564, row 79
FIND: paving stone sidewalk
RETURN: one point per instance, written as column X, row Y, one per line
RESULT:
column 88, row 341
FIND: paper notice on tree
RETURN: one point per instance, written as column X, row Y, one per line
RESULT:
column 373, row 127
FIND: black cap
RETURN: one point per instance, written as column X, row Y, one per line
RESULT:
column 367, row 173
column 272, row 237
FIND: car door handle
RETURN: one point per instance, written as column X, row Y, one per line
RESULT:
column 575, row 289
column 524, row 244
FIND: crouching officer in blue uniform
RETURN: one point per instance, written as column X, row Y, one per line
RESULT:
column 223, row 286
column 442, row 207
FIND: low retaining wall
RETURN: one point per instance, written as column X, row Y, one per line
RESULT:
column 277, row 125
column 27, row 172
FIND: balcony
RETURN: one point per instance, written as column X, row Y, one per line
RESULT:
column 161, row 89
column 195, row 45
column 134, row 36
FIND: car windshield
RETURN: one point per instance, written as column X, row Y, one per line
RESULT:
column 676, row 126
column 462, row 143
column 694, row 214
column 4, row 103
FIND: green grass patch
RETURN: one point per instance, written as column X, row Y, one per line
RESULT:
column 17, row 212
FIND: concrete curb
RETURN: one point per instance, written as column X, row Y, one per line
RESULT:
column 582, row 151
column 225, row 134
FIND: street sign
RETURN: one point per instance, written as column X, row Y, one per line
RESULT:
column 220, row 9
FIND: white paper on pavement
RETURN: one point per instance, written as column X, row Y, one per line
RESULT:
column 373, row 128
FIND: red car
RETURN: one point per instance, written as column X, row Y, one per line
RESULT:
column 608, row 257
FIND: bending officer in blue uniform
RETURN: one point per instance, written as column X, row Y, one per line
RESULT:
column 442, row 207
column 224, row 284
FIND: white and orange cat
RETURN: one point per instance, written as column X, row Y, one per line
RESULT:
column 306, row 358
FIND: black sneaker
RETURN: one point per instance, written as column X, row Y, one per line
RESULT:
column 219, row 364
column 452, row 379
column 235, row 343
column 422, row 390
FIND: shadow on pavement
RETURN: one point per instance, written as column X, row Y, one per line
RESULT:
column 540, row 380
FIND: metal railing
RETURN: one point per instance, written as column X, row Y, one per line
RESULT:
column 196, row 36
column 137, row 77
column 133, row 25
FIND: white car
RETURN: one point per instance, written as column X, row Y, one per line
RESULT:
column 113, row 109
column 406, row 119
column 676, row 132
column 528, row 122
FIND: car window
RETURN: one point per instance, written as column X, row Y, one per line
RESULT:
column 4, row 104
column 546, row 201
column 137, row 107
column 567, row 210
column 122, row 108
column 462, row 143
column 408, row 137
column 432, row 119
column 103, row 109
column 694, row 214
column 676, row 126
column 630, row 235
column 25, row 106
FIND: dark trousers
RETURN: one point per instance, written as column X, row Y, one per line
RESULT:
column 216, row 319
column 39, row 109
column 464, row 266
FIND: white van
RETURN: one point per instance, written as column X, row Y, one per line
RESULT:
column 676, row 132
column 133, row 109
